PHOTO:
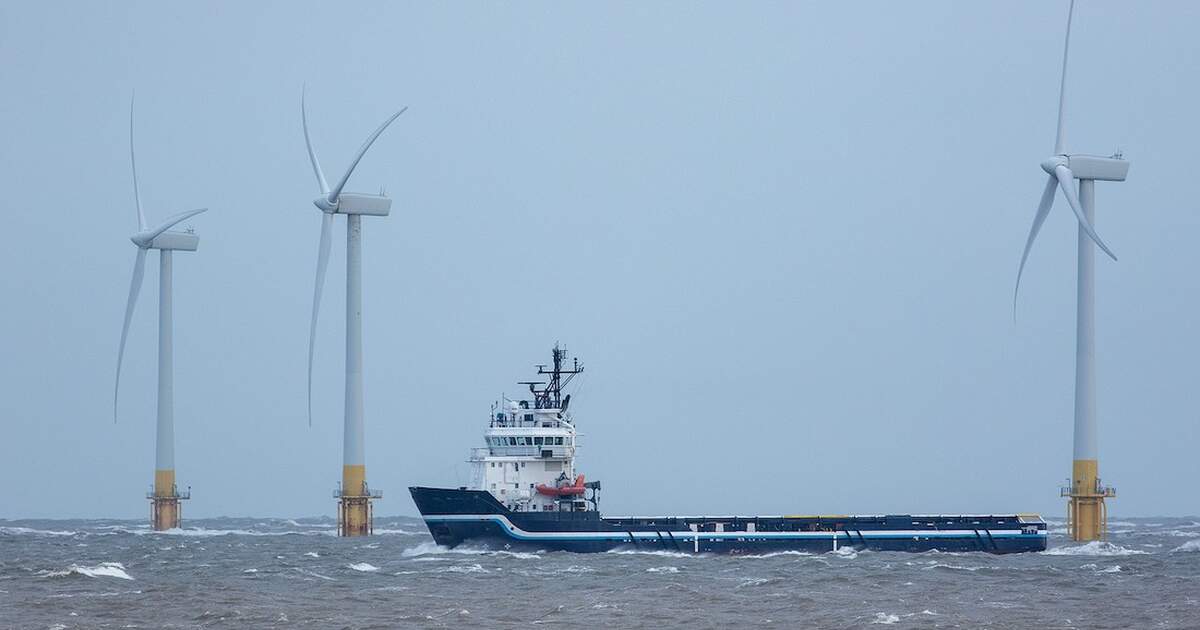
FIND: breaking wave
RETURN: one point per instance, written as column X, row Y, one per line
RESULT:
column 364, row 567
column 1094, row 548
column 104, row 569
column 432, row 549
column 1191, row 545
column 660, row 553
column 29, row 531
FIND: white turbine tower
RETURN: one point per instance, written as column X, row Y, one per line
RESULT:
column 1086, row 512
column 166, row 497
column 354, row 496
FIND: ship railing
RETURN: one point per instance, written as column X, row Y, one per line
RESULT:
column 175, row 494
column 520, row 451
column 368, row 493
column 1100, row 490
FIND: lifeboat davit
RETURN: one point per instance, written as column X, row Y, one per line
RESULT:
column 562, row 491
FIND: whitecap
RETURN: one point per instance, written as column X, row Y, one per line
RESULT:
column 364, row 567
column 17, row 531
column 293, row 523
column 104, row 569
column 956, row 567
column 431, row 549
column 202, row 532
column 396, row 532
column 314, row 574
column 473, row 568
column 667, row 569
column 1191, row 545
column 312, row 554
column 774, row 554
column 660, row 553
column 1094, row 548
column 885, row 618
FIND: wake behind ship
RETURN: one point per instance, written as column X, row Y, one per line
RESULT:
column 525, row 492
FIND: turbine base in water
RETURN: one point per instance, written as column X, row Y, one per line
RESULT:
column 165, row 507
column 356, row 514
column 1087, row 512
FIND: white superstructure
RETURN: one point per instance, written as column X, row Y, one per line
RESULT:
column 528, row 462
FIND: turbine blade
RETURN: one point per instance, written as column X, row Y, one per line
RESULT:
column 1065, row 181
column 333, row 195
column 312, row 155
column 135, row 286
column 1039, row 218
column 137, row 194
column 1059, row 137
column 322, row 263
column 144, row 238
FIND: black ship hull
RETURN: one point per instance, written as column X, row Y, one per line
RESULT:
column 458, row 516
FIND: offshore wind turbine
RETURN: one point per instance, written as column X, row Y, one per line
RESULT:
column 1087, row 513
column 165, row 497
column 355, row 516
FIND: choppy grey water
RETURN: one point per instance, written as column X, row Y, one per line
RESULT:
column 237, row 573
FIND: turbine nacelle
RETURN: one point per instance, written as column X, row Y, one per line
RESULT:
column 1093, row 167
column 356, row 203
column 169, row 240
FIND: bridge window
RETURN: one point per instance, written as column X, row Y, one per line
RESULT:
column 537, row 441
column 558, row 441
column 528, row 417
column 512, row 441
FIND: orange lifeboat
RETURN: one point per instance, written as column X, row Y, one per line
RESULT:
column 562, row 491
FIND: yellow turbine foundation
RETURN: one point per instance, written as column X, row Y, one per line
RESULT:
column 1087, row 513
column 165, row 512
column 356, row 516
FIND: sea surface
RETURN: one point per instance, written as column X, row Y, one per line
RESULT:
column 285, row 573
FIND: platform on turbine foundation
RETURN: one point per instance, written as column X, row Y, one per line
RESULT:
column 165, row 509
column 356, row 514
column 1087, row 512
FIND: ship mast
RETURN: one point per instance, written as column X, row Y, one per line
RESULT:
column 550, row 396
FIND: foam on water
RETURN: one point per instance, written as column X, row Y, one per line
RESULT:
column 667, row 569
column 885, row 618
column 365, row 567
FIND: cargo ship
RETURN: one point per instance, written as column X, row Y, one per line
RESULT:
column 525, row 492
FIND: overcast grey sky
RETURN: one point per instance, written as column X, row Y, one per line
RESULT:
column 781, row 236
